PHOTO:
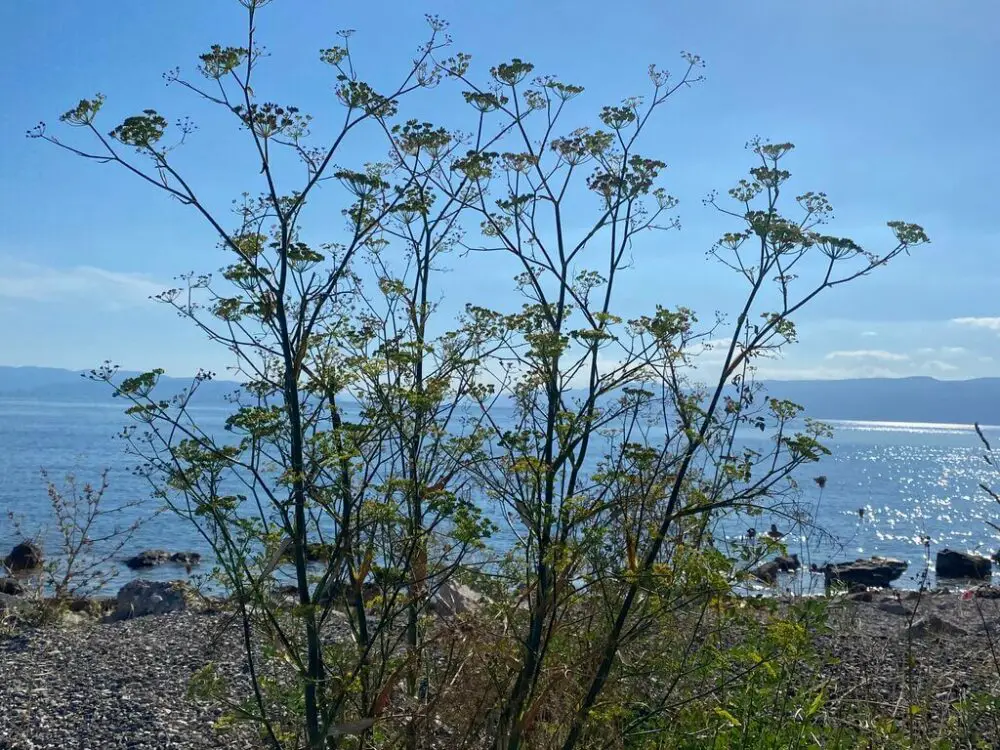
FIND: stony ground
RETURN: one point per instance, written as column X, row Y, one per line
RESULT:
column 89, row 685
column 117, row 685
column 901, row 650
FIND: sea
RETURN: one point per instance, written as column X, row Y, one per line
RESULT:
column 896, row 489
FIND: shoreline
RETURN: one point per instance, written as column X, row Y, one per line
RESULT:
column 85, row 682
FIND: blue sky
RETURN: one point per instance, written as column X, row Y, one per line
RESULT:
column 891, row 105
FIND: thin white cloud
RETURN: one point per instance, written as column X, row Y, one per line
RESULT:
column 23, row 281
column 826, row 373
column 876, row 354
column 943, row 351
column 712, row 351
column 869, row 333
column 939, row 366
column 990, row 324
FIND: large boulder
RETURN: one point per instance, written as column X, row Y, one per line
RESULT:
column 451, row 599
column 767, row 573
column 878, row 572
column 953, row 564
column 788, row 564
column 140, row 598
column 25, row 556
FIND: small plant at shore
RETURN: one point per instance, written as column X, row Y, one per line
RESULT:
column 379, row 443
column 92, row 532
column 994, row 465
column 89, row 533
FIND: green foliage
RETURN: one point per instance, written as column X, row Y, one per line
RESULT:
column 269, row 120
column 375, row 448
column 83, row 114
column 142, row 131
column 220, row 61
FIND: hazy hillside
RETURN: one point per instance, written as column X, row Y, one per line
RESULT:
column 888, row 399
column 54, row 384
column 918, row 399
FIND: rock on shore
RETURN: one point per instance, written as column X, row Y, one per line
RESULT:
column 953, row 564
column 25, row 556
column 877, row 571
column 140, row 598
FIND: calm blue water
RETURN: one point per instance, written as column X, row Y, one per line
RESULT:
column 912, row 480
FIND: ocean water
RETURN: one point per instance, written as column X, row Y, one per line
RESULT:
column 916, row 485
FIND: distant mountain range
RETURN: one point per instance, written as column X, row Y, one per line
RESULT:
column 919, row 399
column 54, row 384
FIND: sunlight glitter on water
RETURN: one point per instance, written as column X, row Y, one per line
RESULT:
column 911, row 427
column 914, row 481
column 892, row 487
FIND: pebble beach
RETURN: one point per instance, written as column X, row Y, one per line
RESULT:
column 86, row 684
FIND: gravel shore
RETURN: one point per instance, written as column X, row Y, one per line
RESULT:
column 92, row 685
column 903, row 649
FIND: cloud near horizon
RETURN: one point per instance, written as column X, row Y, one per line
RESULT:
column 936, row 365
column 943, row 351
column 875, row 354
column 24, row 281
column 990, row 324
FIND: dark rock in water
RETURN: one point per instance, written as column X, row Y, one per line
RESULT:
column 150, row 558
column 24, row 556
column 185, row 558
column 953, row 564
column 768, row 572
column 790, row 563
column 11, row 587
column 878, row 572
